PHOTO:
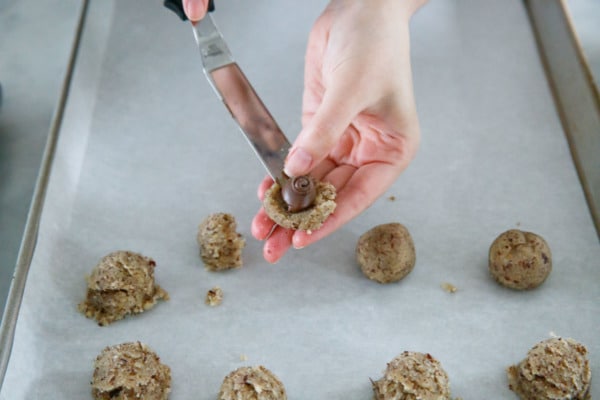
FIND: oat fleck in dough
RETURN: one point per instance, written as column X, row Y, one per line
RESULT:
column 130, row 371
column 122, row 283
column 448, row 287
column 214, row 296
column 252, row 383
column 411, row 376
column 554, row 369
column 310, row 219
column 386, row 253
column 520, row 260
column 220, row 245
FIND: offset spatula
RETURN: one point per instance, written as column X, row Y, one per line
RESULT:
column 232, row 87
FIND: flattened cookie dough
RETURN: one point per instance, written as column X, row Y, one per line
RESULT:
column 220, row 245
column 410, row 376
column 130, row 371
column 520, row 260
column 122, row 283
column 386, row 253
column 554, row 369
column 310, row 219
column 252, row 383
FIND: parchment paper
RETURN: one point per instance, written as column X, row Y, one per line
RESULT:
column 147, row 151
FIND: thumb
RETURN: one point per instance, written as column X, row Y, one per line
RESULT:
column 195, row 10
column 322, row 132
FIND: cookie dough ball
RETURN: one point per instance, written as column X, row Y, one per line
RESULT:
column 411, row 376
column 122, row 283
column 252, row 383
column 130, row 371
column 520, row 260
column 386, row 253
column 220, row 245
column 554, row 369
column 309, row 219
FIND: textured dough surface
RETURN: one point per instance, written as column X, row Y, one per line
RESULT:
column 220, row 245
column 214, row 296
column 122, row 283
column 386, row 253
column 252, row 383
column 554, row 369
column 520, row 260
column 413, row 376
column 130, row 371
column 310, row 219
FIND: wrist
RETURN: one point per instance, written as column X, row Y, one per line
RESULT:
column 409, row 7
column 416, row 4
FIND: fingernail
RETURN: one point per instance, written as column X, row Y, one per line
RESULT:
column 296, row 245
column 298, row 162
column 193, row 10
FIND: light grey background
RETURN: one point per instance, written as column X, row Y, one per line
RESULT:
column 493, row 157
column 586, row 19
column 132, row 172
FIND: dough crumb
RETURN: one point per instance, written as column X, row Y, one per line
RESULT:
column 310, row 219
column 243, row 357
column 220, row 245
column 130, row 371
column 386, row 253
column 412, row 375
column 520, row 260
column 554, row 369
column 252, row 383
column 214, row 296
column 448, row 287
column 122, row 283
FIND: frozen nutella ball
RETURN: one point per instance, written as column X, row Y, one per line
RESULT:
column 122, row 283
column 252, row 383
column 299, row 193
column 520, row 260
column 220, row 245
column 554, row 369
column 298, row 214
column 130, row 371
column 386, row 253
column 412, row 376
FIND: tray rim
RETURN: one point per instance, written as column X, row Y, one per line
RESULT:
column 30, row 235
column 579, row 136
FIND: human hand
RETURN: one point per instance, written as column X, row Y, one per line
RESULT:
column 195, row 10
column 360, row 126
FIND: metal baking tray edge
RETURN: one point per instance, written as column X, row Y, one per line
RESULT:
column 575, row 94
column 542, row 14
column 25, row 255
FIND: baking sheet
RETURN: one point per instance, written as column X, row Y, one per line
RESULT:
column 146, row 152
column 577, row 97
